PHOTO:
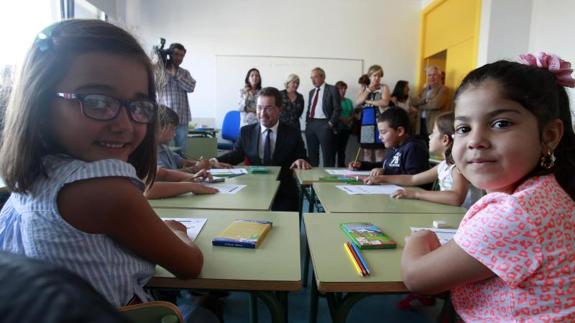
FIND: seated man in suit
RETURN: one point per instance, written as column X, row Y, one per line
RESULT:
column 272, row 143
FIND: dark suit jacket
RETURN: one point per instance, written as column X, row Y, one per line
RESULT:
column 289, row 147
column 331, row 104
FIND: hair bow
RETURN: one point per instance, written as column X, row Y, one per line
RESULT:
column 553, row 63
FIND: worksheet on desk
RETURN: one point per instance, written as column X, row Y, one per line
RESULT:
column 347, row 172
column 228, row 171
column 386, row 189
column 227, row 188
column 444, row 235
column 193, row 225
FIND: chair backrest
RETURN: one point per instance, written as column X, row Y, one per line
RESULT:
column 152, row 312
column 231, row 125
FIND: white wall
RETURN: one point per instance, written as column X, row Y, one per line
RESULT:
column 378, row 31
column 552, row 31
column 504, row 30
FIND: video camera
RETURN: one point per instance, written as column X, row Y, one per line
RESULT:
column 161, row 52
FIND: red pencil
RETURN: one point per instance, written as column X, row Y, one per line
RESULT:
column 363, row 270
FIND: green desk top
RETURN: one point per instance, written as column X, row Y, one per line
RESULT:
column 257, row 195
column 338, row 201
column 310, row 176
column 273, row 266
column 334, row 271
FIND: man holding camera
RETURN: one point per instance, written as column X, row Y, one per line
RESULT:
column 174, row 94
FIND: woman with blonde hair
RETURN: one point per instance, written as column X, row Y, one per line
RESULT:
column 373, row 100
column 292, row 102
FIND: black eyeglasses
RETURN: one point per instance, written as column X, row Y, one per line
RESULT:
column 102, row 107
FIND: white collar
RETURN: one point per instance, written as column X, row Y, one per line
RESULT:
column 274, row 128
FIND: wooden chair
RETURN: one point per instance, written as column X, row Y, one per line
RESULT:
column 152, row 312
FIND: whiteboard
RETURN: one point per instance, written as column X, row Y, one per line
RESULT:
column 231, row 71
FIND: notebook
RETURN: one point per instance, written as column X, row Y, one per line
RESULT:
column 243, row 233
column 367, row 236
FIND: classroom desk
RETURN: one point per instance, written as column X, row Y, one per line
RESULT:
column 333, row 270
column 335, row 200
column 257, row 195
column 273, row 267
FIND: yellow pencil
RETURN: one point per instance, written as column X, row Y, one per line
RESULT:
column 352, row 259
column 357, row 155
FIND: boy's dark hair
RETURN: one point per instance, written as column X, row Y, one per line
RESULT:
column 444, row 124
column 363, row 80
column 339, row 84
column 167, row 116
column 536, row 89
column 395, row 118
column 274, row 93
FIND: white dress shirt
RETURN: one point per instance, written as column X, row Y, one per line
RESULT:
column 273, row 137
column 319, row 114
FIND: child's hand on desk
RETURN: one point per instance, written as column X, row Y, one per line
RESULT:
column 421, row 243
column 373, row 180
column 354, row 165
column 203, row 189
column 221, row 165
column 203, row 164
column 404, row 194
column 202, row 175
column 176, row 226
column 376, row 172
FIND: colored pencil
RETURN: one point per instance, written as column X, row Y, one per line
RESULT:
column 361, row 259
column 357, row 261
column 352, row 259
column 357, row 155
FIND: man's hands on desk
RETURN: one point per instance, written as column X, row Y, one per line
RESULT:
column 300, row 164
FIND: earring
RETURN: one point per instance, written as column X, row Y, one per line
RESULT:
column 547, row 160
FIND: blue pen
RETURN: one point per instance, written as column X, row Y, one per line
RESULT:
column 356, row 250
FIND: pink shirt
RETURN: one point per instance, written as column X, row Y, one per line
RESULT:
column 527, row 239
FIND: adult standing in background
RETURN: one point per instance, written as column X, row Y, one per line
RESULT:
column 400, row 98
column 345, row 123
column 249, row 97
column 432, row 100
column 323, row 112
column 174, row 95
column 373, row 100
column 292, row 102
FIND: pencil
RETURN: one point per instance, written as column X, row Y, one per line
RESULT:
column 358, row 253
column 352, row 259
column 361, row 267
column 357, row 155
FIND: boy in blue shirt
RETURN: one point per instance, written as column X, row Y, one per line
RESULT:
column 404, row 154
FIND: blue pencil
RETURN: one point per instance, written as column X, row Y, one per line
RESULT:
column 363, row 262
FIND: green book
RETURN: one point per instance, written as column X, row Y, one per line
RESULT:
column 258, row 170
column 367, row 236
column 340, row 179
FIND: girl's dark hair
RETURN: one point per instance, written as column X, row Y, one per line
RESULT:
column 27, row 134
column 247, row 79
column 444, row 124
column 536, row 89
column 363, row 80
column 399, row 91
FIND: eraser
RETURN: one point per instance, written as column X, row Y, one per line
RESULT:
column 440, row 224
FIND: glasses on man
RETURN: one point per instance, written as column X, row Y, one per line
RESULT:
column 102, row 107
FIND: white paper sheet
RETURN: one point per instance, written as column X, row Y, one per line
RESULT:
column 227, row 188
column 444, row 235
column 193, row 225
column 228, row 171
column 369, row 189
column 347, row 172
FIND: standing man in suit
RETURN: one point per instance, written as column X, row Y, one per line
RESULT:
column 272, row 143
column 323, row 112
